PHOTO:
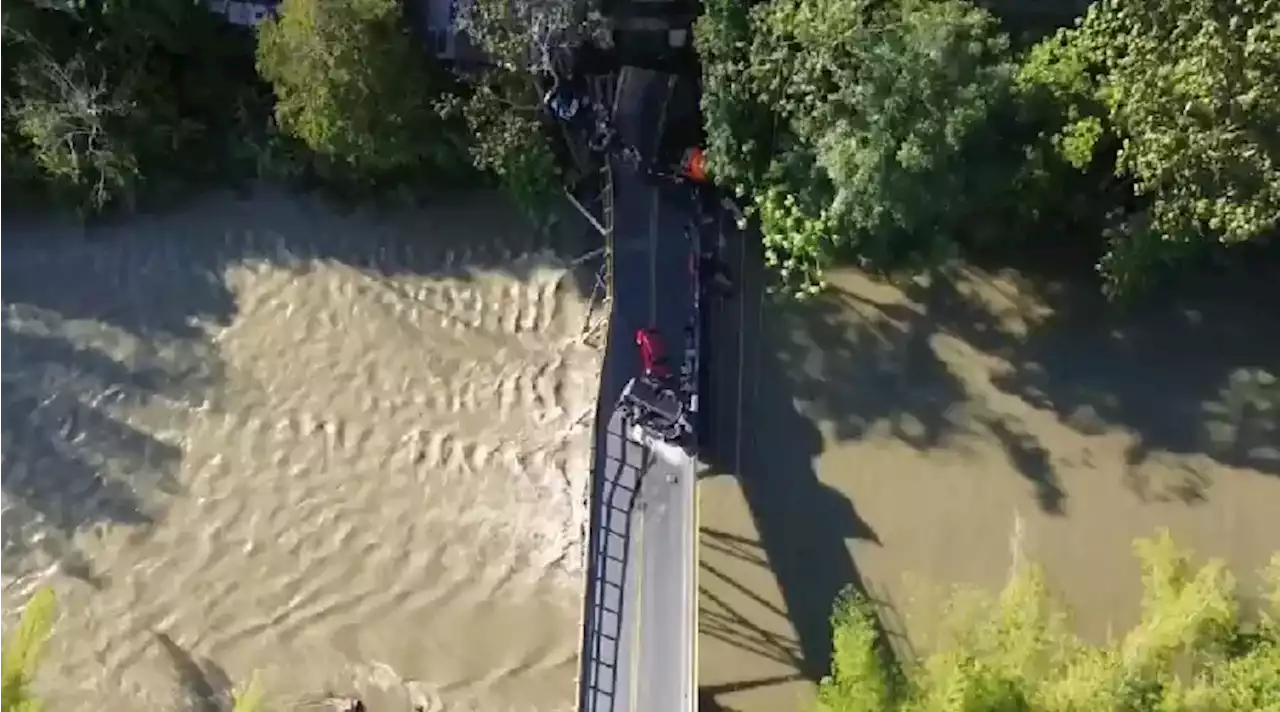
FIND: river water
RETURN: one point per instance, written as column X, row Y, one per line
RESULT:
column 347, row 453
column 911, row 438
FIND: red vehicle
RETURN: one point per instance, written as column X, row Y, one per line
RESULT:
column 653, row 355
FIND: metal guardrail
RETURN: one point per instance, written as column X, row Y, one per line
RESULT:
column 587, row 632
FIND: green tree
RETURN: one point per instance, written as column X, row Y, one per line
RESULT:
column 353, row 87
column 23, row 651
column 1181, row 99
column 510, row 143
column 740, row 128
column 526, row 35
column 73, row 127
column 100, row 97
column 880, row 128
column 1192, row 651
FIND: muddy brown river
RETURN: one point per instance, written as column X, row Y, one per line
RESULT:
column 345, row 452
column 909, row 439
column 349, row 453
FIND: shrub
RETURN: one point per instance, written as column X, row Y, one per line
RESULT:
column 1192, row 650
column 23, row 651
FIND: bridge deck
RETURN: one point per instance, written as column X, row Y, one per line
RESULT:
column 639, row 626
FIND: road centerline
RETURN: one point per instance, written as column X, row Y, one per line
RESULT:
column 637, row 632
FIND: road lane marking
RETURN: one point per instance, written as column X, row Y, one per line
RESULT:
column 636, row 646
column 653, row 259
column 691, row 584
column 653, row 211
column 755, row 383
column 742, row 335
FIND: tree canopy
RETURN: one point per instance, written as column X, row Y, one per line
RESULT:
column 351, row 86
column 101, row 96
column 1194, row 649
column 1182, row 99
column 899, row 133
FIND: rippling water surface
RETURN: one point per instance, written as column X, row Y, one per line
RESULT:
column 347, row 452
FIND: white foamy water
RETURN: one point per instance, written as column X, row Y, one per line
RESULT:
column 347, row 452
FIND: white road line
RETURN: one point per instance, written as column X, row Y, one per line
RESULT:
column 691, row 582
column 653, row 210
column 653, row 259
column 742, row 335
column 755, row 382
column 636, row 634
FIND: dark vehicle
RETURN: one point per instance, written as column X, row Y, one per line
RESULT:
column 650, row 400
column 650, row 404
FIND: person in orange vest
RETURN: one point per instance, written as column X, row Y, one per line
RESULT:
column 693, row 164
column 690, row 168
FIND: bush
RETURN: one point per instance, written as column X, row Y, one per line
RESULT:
column 896, row 133
column 1192, row 650
column 23, row 651
column 100, row 98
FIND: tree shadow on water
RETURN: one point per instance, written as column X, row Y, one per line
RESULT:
column 1194, row 373
column 864, row 362
column 866, row 359
column 90, row 332
column 95, row 328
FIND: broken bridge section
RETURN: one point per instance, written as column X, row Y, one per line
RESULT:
column 640, row 604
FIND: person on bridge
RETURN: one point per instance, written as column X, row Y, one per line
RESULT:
column 715, row 273
column 653, row 356
column 568, row 103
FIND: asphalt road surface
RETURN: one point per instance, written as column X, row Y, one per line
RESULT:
column 640, row 622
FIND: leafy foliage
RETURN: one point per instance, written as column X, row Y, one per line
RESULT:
column 1194, row 87
column 73, row 127
column 1192, row 650
column 23, row 651
column 739, row 126
column 352, row 87
column 508, row 141
column 896, row 133
column 1182, row 98
column 877, row 135
column 527, row 35
column 101, row 96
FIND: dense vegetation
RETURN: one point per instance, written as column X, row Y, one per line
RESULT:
column 1193, row 650
column 891, row 133
column 109, row 104
column 900, row 132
